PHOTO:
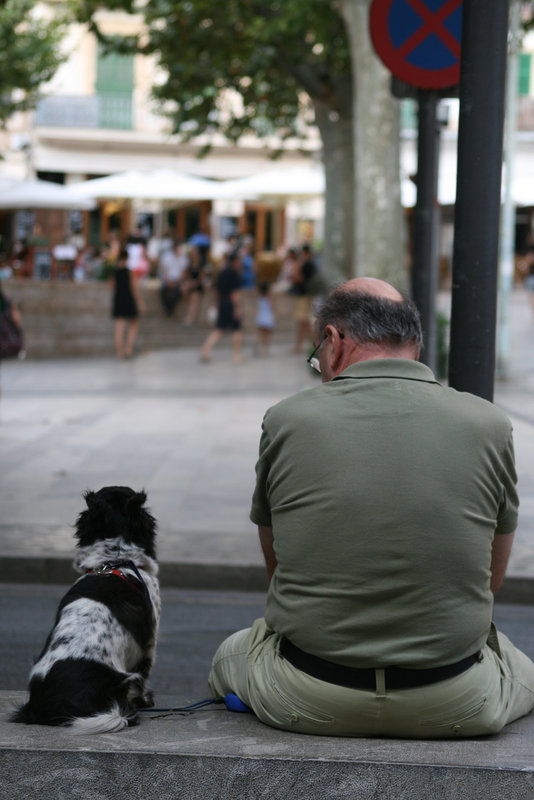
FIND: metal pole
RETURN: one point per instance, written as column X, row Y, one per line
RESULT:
column 424, row 275
column 507, row 245
column 476, row 223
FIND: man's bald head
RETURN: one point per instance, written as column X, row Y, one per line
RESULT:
column 374, row 316
column 373, row 286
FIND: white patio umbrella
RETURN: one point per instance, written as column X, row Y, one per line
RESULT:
column 408, row 193
column 280, row 182
column 29, row 194
column 523, row 189
column 165, row 185
column 305, row 181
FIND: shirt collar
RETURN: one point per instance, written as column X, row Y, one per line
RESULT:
column 389, row 368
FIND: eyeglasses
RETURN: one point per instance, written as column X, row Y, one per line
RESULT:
column 313, row 359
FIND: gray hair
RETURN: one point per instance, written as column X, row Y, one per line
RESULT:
column 370, row 319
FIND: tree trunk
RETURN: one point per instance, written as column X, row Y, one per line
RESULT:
column 379, row 218
column 338, row 156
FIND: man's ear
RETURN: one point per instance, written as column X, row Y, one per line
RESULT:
column 334, row 349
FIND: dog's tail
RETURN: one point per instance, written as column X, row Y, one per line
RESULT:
column 105, row 722
column 120, row 715
column 23, row 714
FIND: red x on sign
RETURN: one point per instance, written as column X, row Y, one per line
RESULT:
column 419, row 40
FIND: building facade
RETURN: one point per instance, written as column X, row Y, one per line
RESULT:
column 97, row 117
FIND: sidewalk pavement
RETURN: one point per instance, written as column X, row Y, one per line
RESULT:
column 188, row 433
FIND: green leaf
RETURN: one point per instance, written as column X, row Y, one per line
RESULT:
column 271, row 52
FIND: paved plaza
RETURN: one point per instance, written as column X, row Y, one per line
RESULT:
column 188, row 433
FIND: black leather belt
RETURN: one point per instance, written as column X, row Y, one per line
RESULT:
column 395, row 677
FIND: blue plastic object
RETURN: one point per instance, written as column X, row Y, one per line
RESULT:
column 233, row 703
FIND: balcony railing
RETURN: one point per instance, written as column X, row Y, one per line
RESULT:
column 104, row 110
column 115, row 111
column 62, row 111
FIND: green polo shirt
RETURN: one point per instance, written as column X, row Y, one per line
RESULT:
column 384, row 491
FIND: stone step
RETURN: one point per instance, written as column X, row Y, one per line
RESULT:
column 68, row 319
column 213, row 754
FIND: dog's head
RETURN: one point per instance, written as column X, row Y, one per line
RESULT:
column 117, row 512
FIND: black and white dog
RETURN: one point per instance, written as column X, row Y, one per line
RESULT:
column 91, row 675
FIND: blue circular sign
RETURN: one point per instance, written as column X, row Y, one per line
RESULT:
column 419, row 40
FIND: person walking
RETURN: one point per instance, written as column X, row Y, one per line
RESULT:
column 248, row 269
column 304, row 270
column 228, row 294
column 195, row 280
column 127, row 305
column 265, row 320
column 173, row 264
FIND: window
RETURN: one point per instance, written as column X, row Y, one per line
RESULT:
column 524, row 73
column 408, row 115
column 114, row 89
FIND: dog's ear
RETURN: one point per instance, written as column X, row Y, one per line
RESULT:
column 136, row 501
column 141, row 523
column 90, row 498
column 92, row 520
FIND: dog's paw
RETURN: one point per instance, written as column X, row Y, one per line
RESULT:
column 145, row 700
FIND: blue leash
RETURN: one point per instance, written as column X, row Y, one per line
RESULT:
column 231, row 701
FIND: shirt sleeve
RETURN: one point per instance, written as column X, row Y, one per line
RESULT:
column 260, row 511
column 508, row 511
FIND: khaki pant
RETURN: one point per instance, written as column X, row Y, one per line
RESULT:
column 487, row 696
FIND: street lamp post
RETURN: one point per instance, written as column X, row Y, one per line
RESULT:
column 477, row 213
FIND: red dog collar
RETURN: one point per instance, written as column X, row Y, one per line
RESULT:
column 109, row 570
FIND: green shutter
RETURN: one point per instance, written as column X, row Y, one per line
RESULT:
column 114, row 88
column 408, row 115
column 524, row 73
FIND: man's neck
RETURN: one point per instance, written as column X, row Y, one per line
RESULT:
column 370, row 352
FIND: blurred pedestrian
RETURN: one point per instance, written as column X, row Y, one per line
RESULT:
column 11, row 335
column 19, row 256
column 110, row 255
column 202, row 242
column 195, row 279
column 173, row 264
column 248, row 269
column 264, row 319
column 284, row 278
column 231, row 244
column 228, row 294
column 127, row 306
column 304, row 270
column 137, row 255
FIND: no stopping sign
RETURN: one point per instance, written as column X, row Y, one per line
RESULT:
column 419, row 40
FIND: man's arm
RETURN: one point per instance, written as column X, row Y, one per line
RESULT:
column 267, row 545
column 500, row 553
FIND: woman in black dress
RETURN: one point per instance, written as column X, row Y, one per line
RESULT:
column 227, row 287
column 127, row 305
column 194, row 284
